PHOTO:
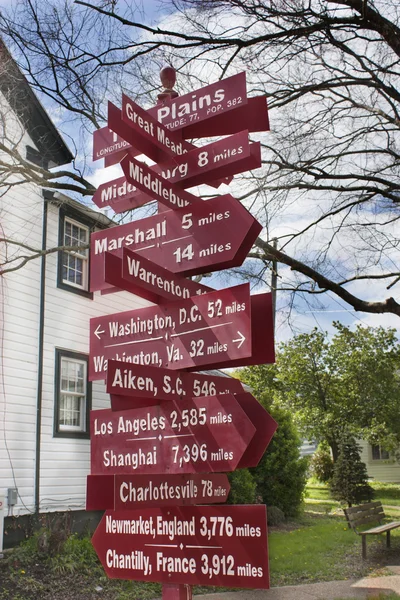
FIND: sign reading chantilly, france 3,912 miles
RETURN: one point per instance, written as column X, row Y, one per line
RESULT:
column 197, row 545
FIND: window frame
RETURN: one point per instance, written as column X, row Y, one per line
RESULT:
column 71, row 432
column 380, row 450
column 75, row 218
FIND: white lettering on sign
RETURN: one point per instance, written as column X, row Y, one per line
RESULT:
column 136, row 270
column 130, row 459
column 142, row 358
column 115, row 191
column 136, row 561
column 125, row 379
column 139, row 236
column 154, row 184
column 198, row 102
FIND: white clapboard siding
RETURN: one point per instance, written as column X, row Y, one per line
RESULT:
column 65, row 461
column 380, row 470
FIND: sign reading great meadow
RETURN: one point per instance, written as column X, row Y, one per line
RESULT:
column 200, row 330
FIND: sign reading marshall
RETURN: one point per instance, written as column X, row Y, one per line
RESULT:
column 217, row 233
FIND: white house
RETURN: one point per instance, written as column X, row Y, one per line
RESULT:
column 45, row 396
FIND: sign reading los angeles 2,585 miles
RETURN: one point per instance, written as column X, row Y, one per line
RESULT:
column 197, row 545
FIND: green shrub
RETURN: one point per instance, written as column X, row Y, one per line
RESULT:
column 243, row 487
column 321, row 463
column 350, row 479
column 281, row 475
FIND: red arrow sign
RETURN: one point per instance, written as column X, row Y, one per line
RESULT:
column 262, row 334
column 119, row 195
column 208, row 434
column 108, row 143
column 124, row 492
column 215, row 234
column 199, row 105
column 128, row 382
column 134, row 273
column 196, row 545
column 252, row 116
column 265, row 428
column 201, row 330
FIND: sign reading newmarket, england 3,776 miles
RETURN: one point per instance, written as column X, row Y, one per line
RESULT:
column 159, row 456
column 198, row 545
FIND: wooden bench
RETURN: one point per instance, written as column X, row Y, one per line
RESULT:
column 357, row 516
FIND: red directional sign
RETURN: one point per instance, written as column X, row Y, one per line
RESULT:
column 108, row 143
column 124, row 492
column 207, row 434
column 127, row 383
column 197, row 331
column 265, row 428
column 134, row 273
column 262, row 334
column 252, row 116
column 119, row 195
column 221, row 159
column 149, row 182
column 215, row 234
column 202, row 104
column 197, row 545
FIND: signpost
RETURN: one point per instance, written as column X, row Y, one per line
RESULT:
column 215, row 233
column 198, row 331
column 161, row 449
column 128, row 384
column 196, row 545
column 206, row 434
column 123, row 492
column 140, row 276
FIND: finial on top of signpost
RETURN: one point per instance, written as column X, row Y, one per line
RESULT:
column 168, row 79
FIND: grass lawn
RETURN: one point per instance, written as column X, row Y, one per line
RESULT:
column 319, row 547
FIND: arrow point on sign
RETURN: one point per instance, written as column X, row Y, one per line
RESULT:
column 97, row 332
column 240, row 339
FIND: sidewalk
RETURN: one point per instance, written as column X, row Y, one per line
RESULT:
column 330, row 590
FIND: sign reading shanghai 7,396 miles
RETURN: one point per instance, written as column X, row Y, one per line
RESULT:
column 203, row 435
column 200, row 330
column 196, row 545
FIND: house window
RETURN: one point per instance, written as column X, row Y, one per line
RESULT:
column 75, row 262
column 73, row 395
column 378, row 453
column 73, row 265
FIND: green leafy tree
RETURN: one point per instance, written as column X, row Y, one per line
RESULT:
column 321, row 464
column 243, row 487
column 281, row 474
column 350, row 383
column 350, row 479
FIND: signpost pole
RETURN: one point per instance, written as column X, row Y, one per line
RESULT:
column 176, row 592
